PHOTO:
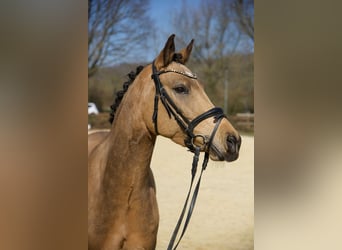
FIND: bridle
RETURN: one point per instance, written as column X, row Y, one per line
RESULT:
column 188, row 127
column 172, row 110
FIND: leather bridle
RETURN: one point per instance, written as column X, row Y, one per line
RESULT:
column 172, row 110
column 188, row 127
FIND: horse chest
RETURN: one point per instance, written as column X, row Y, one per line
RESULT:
column 135, row 225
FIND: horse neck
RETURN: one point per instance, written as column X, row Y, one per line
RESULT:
column 130, row 148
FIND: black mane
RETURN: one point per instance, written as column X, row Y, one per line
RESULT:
column 121, row 93
column 131, row 75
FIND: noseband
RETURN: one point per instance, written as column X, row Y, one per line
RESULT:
column 188, row 127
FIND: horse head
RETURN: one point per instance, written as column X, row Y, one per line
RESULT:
column 177, row 107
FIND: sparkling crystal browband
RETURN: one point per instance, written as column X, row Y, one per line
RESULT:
column 187, row 74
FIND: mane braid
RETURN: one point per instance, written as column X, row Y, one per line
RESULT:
column 177, row 57
column 120, row 94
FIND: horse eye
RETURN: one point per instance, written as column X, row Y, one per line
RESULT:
column 181, row 89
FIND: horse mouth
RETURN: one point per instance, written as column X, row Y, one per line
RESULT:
column 217, row 155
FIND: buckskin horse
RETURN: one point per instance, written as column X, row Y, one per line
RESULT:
column 163, row 98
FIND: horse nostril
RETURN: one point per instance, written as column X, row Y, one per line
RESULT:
column 233, row 143
column 231, row 139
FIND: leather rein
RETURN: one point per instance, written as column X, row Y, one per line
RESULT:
column 188, row 127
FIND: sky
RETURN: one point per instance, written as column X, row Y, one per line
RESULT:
column 161, row 14
column 159, row 9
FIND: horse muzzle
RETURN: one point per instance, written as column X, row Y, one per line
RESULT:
column 233, row 145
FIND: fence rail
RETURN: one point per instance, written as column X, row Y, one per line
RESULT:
column 243, row 121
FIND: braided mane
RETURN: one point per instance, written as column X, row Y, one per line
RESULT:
column 120, row 94
column 132, row 75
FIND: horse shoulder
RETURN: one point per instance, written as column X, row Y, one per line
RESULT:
column 95, row 138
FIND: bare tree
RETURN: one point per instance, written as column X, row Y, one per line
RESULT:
column 218, row 27
column 114, row 27
column 210, row 24
column 244, row 10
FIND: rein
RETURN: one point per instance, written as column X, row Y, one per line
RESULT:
column 188, row 127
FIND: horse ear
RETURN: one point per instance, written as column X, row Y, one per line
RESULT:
column 186, row 52
column 166, row 55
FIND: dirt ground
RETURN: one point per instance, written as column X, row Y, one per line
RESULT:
column 224, row 214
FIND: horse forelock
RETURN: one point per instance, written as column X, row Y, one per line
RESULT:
column 177, row 57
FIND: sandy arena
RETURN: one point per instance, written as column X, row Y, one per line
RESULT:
column 224, row 214
column 223, row 218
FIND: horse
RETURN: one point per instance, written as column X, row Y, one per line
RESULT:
column 94, row 138
column 163, row 98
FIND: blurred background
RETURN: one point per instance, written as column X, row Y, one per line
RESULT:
column 119, row 40
column 44, row 84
